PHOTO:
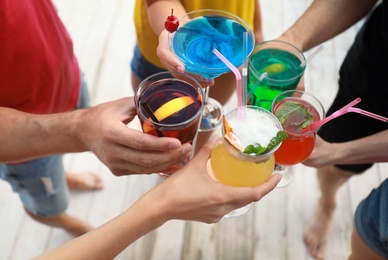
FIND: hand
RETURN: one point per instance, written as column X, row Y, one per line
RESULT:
column 122, row 149
column 166, row 56
column 172, row 63
column 322, row 154
column 190, row 194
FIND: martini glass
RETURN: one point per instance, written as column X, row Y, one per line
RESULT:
column 199, row 33
column 296, row 110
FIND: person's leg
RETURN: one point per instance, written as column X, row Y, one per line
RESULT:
column 84, row 181
column 360, row 251
column 41, row 185
column 73, row 225
column 318, row 227
column 370, row 232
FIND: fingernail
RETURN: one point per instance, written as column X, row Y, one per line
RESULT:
column 175, row 144
column 186, row 149
column 279, row 177
column 214, row 139
column 180, row 69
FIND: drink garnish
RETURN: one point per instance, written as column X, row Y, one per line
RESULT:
column 257, row 149
column 294, row 113
column 173, row 106
column 276, row 67
column 229, row 136
column 172, row 23
column 254, row 149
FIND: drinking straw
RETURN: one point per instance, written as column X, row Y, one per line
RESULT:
column 346, row 109
column 236, row 73
column 304, row 63
column 245, row 69
column 153, row 117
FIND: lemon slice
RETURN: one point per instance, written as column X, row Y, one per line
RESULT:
column 173, row 106
column 274, row 68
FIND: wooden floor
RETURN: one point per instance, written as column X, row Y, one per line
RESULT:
column 104, row 38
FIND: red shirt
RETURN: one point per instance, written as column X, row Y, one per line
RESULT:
column 38, row 70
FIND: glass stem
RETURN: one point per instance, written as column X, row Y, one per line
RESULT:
column 206, row 98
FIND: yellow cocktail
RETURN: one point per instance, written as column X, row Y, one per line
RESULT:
column 243, row 127
column 241, row 171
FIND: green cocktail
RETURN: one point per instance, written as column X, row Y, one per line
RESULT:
column 274, row 67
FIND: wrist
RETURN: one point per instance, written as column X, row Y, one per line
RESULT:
column 78, row 129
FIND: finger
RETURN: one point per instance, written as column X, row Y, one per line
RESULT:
column 204, row 154
column 265, row 188
column 147, row 163
column 146, row 142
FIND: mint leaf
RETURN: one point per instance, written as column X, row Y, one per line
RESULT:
column 280, row 136
column 254, row 148
column 257, row 149
column 294, row 113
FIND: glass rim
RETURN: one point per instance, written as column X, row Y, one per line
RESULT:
column 258, row 74
column 273, row 118
column 138, row 94
column 215, row 12
column 302, row 92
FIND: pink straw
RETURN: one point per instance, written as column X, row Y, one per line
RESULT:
column 346, row 109
column 236, row 73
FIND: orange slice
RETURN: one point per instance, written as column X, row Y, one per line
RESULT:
column 233, row 141
column 173, row 106
column 229, row 136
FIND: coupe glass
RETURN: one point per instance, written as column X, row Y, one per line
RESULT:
column 295, row 109
column 199, row 33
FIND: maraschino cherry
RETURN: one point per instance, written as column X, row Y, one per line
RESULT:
column 171, row 24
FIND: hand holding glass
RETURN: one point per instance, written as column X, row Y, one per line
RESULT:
column 169, row 104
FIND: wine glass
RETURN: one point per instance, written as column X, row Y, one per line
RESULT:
column 198, row 34
column 295, row 109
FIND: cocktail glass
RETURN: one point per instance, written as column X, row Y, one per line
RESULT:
column 233, row 167
column 295, row 109
column 170, row 104
column 274, row 67
column 199, row 33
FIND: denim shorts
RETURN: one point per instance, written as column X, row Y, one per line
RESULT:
column 41, row 183
column 371, row 220
column 142, row 68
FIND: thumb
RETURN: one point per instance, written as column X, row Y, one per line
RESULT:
column 265, row 188
column 204, row 154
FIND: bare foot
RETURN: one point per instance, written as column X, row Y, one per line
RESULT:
column 84, row 181
column 317, row 230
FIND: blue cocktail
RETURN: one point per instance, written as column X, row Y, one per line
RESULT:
column 201, row 32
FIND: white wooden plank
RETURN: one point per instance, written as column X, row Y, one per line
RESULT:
column 11, row 218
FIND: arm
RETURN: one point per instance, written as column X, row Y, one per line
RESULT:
column 188, row 194
column 325, row 19
column 101, row 129
column 258, row 23
column 158, row 11
column 371, row 149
